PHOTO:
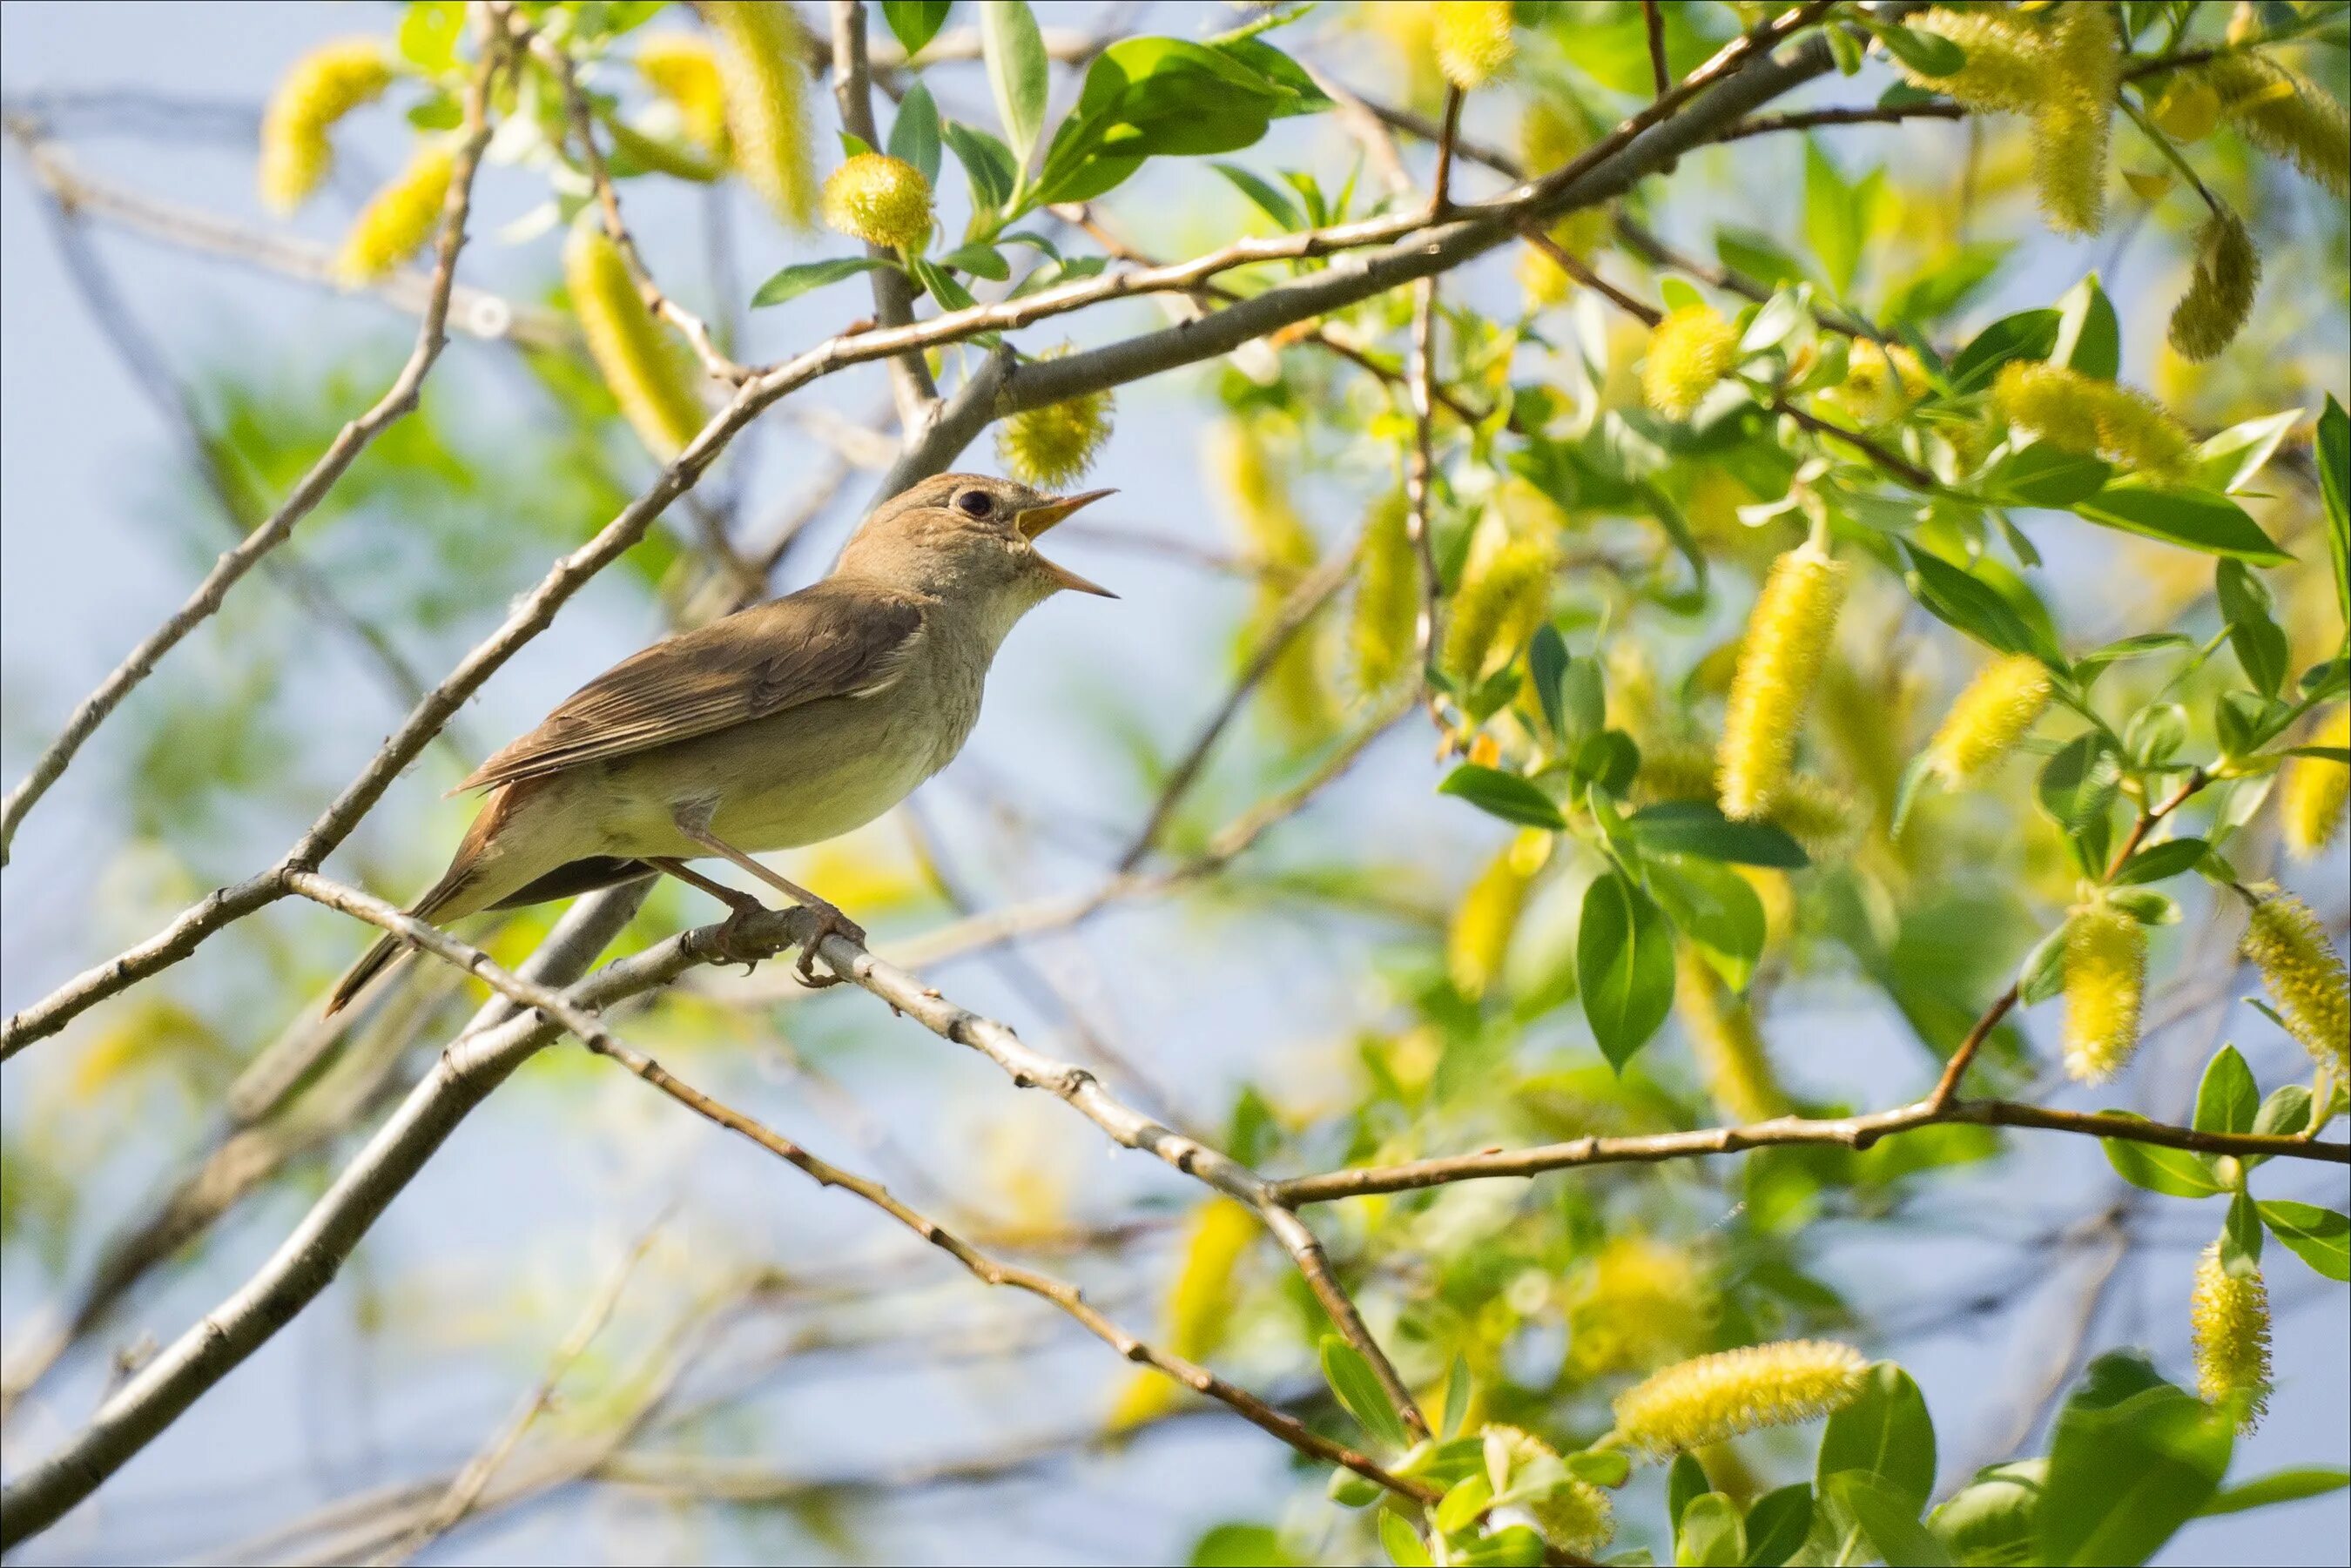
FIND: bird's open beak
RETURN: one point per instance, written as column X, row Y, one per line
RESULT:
column 1036, row 520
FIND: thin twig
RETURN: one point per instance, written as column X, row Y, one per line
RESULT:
column 893, row 296
column 1653, row 18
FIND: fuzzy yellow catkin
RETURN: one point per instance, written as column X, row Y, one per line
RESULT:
column 1880, row 384
column 1052, row 445
column 643, row 363
column 2312, row 791
column 1996, row 711
column 1637, row 1305
column 319, row 89
column 1199, row 1307
column 2284, row 114
column 879, row 199
column 2074, row 126
column 2220, row 296
column 762, row 62
column 1551, row 136
column 1503, row 595
column 2304, row 976
column 1813, row 811
column 1788, row 638
column 1386, row 611
column 2105, row 981
column 2081, row 415
column 2230, row 1316
column 1478, row 937
column 1473, row 41
column 683, row 71
column 1690, row 350
column 1716, row 1398
column 2007, row 65
column 398, row 219
column 1729, row 1048
column 1573, row 1516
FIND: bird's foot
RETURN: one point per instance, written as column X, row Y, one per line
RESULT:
column 829, row 922
column 747, row 936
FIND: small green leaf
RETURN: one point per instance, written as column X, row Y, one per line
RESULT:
column 1990, row 1520
column 1699, row 828
column 1503, row 795
column 2285, row 1112
column 2042, row 475
column 1685, row 1482
column 2278, row 1485
column 1601, row 1466
column 2027, row 335
column 1624, row 965
column 1403, row 1542
column 2229, row 461
column 1268, row 200
column 1967, row 601
column 1017, row 71
column 1929, row 54
column 1547, row 663
column 1351, row 1378
column 1778, row 1524
column 2131, row 1460
column 986, row 163
column 2042, row 973
column 2241, row 1238
column 1463, row 1502
column 1242, row 1546
column 2319, row 1237
column 2197, row 519
column 1888, row 1519
column 2158, row 861
column 1711, row 1534
column 2089, row 339
column 979, row 260
column 801, row 277
column 2228, row 1099
column 915, row 134
column 1715, row 908
column 1884, row 1434
column 2334, row 447
column 2176, row 1173
column 916, row 22
column 2258, row 640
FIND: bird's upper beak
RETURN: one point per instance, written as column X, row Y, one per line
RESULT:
column 1034, row 520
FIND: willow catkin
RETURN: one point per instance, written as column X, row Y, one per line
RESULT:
column 762, row 64
column 1503, row 595
column 2093, row 418
column 1477, row 939
column 1198, row 1309
column 1473, row 42
column 1880, row 384
column 1788, row 638
column 2284, row 114
column 2220, row 296
column 1241, row 464
column 2312, row 791
column 1716, row 1398
column 682, row 71
column 1999, row 707
column 645, row 365
column 2074, row 126
column 320, row 88
column 1055, row 445
column 1572, row 1515
column 1551, row 136
column 2304, row 976
column 2105, row 982
column 1637, row 1305
column 2228, row 1315
column 1690, row 350
column 1385, row 613
column 1731, row 1057
column 398, row 219
column 2007, row 65
column 879, row 199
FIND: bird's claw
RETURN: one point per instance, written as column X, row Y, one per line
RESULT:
column 829, row 922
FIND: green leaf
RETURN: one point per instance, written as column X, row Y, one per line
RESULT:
column 2078, row 786
column 1778, row 1524
column 2334, row 448
column 1714, row 908
column 1989, row 1521
column 2229, row 461
column 2089, row 339
column 2132, row 1459
column 1351, row 1378
column 1601, row 1466
column 986, row 163
column 1888, row 1519
column 2158, row 861
column 916, row 22
column 2260, row 643
column 1758, row 256
column 1832, row 218
column 2319, row 1237
column 2027, row 335
column 1503, row 795
column 1884, row 1434
column 2174, row 1173
column 1464, row 1499
column 940, row 287
column 915, row 134
column 1624, row 964
column 2278, row 1485
column 1712, row 1533
column 1349, row 1490
column 1547, row 663
column 2228, row 1099
column 1685, row 1482
column 2042, row 475
column 2087, row 667
column 2042, row 973
column 2285, row 1112
column 1147, row 98
column 1267, row 198
column 1974, row 606
column 1699, row 828
column 1404, row 1544
column 979, row 260
column 2197, row 519
column 1929, row 54
column 801, row 277
column 1014, row 52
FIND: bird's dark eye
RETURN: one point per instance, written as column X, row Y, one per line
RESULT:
column 975, row 503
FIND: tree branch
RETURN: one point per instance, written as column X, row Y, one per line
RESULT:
column 894, row 298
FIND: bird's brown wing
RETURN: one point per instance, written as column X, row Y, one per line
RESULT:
column 829, row 639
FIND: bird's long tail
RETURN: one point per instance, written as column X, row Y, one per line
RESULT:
column 387, row 948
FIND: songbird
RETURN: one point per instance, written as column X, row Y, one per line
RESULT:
column 783, row 725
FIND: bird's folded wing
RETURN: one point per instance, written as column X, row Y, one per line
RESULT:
column 829, row 639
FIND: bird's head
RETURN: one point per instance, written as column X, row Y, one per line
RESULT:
column 970, row 539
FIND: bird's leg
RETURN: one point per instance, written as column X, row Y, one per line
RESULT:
column 743, row 903
column 695, row 825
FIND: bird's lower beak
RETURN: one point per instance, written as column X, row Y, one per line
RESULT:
column 1036, row 520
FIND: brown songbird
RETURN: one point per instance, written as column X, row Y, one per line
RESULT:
column 783, row 725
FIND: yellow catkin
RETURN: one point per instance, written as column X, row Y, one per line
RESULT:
column 1716, row 1398
column 1812, row 811
column 1729, row 1048
column 1788, row 638
column 2310, row 790
column 682, row 71
column 1386, row 606
column 1551, row 136
column 762, row 61
column 1241, row 463
column 398, row 219
column 2304, row 976
column 2079, row 413
column 2229, row 1316
column 1880, row 385
column 1199, row 1306
column 1689, row 351
column 1639, row 1304
column 1055, row 445
column 2106, row 980
column 1473, row 42
column 2074, row 126
column 2007, row 66
column 879, row 199
column 320, row 88
column 1479, row 937
column 1574, row 1516
column 2000, row 707
column 643, row 363
column 2221, row 291
column 1503, row 595
column 1776, row 891
column 2284, row 114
